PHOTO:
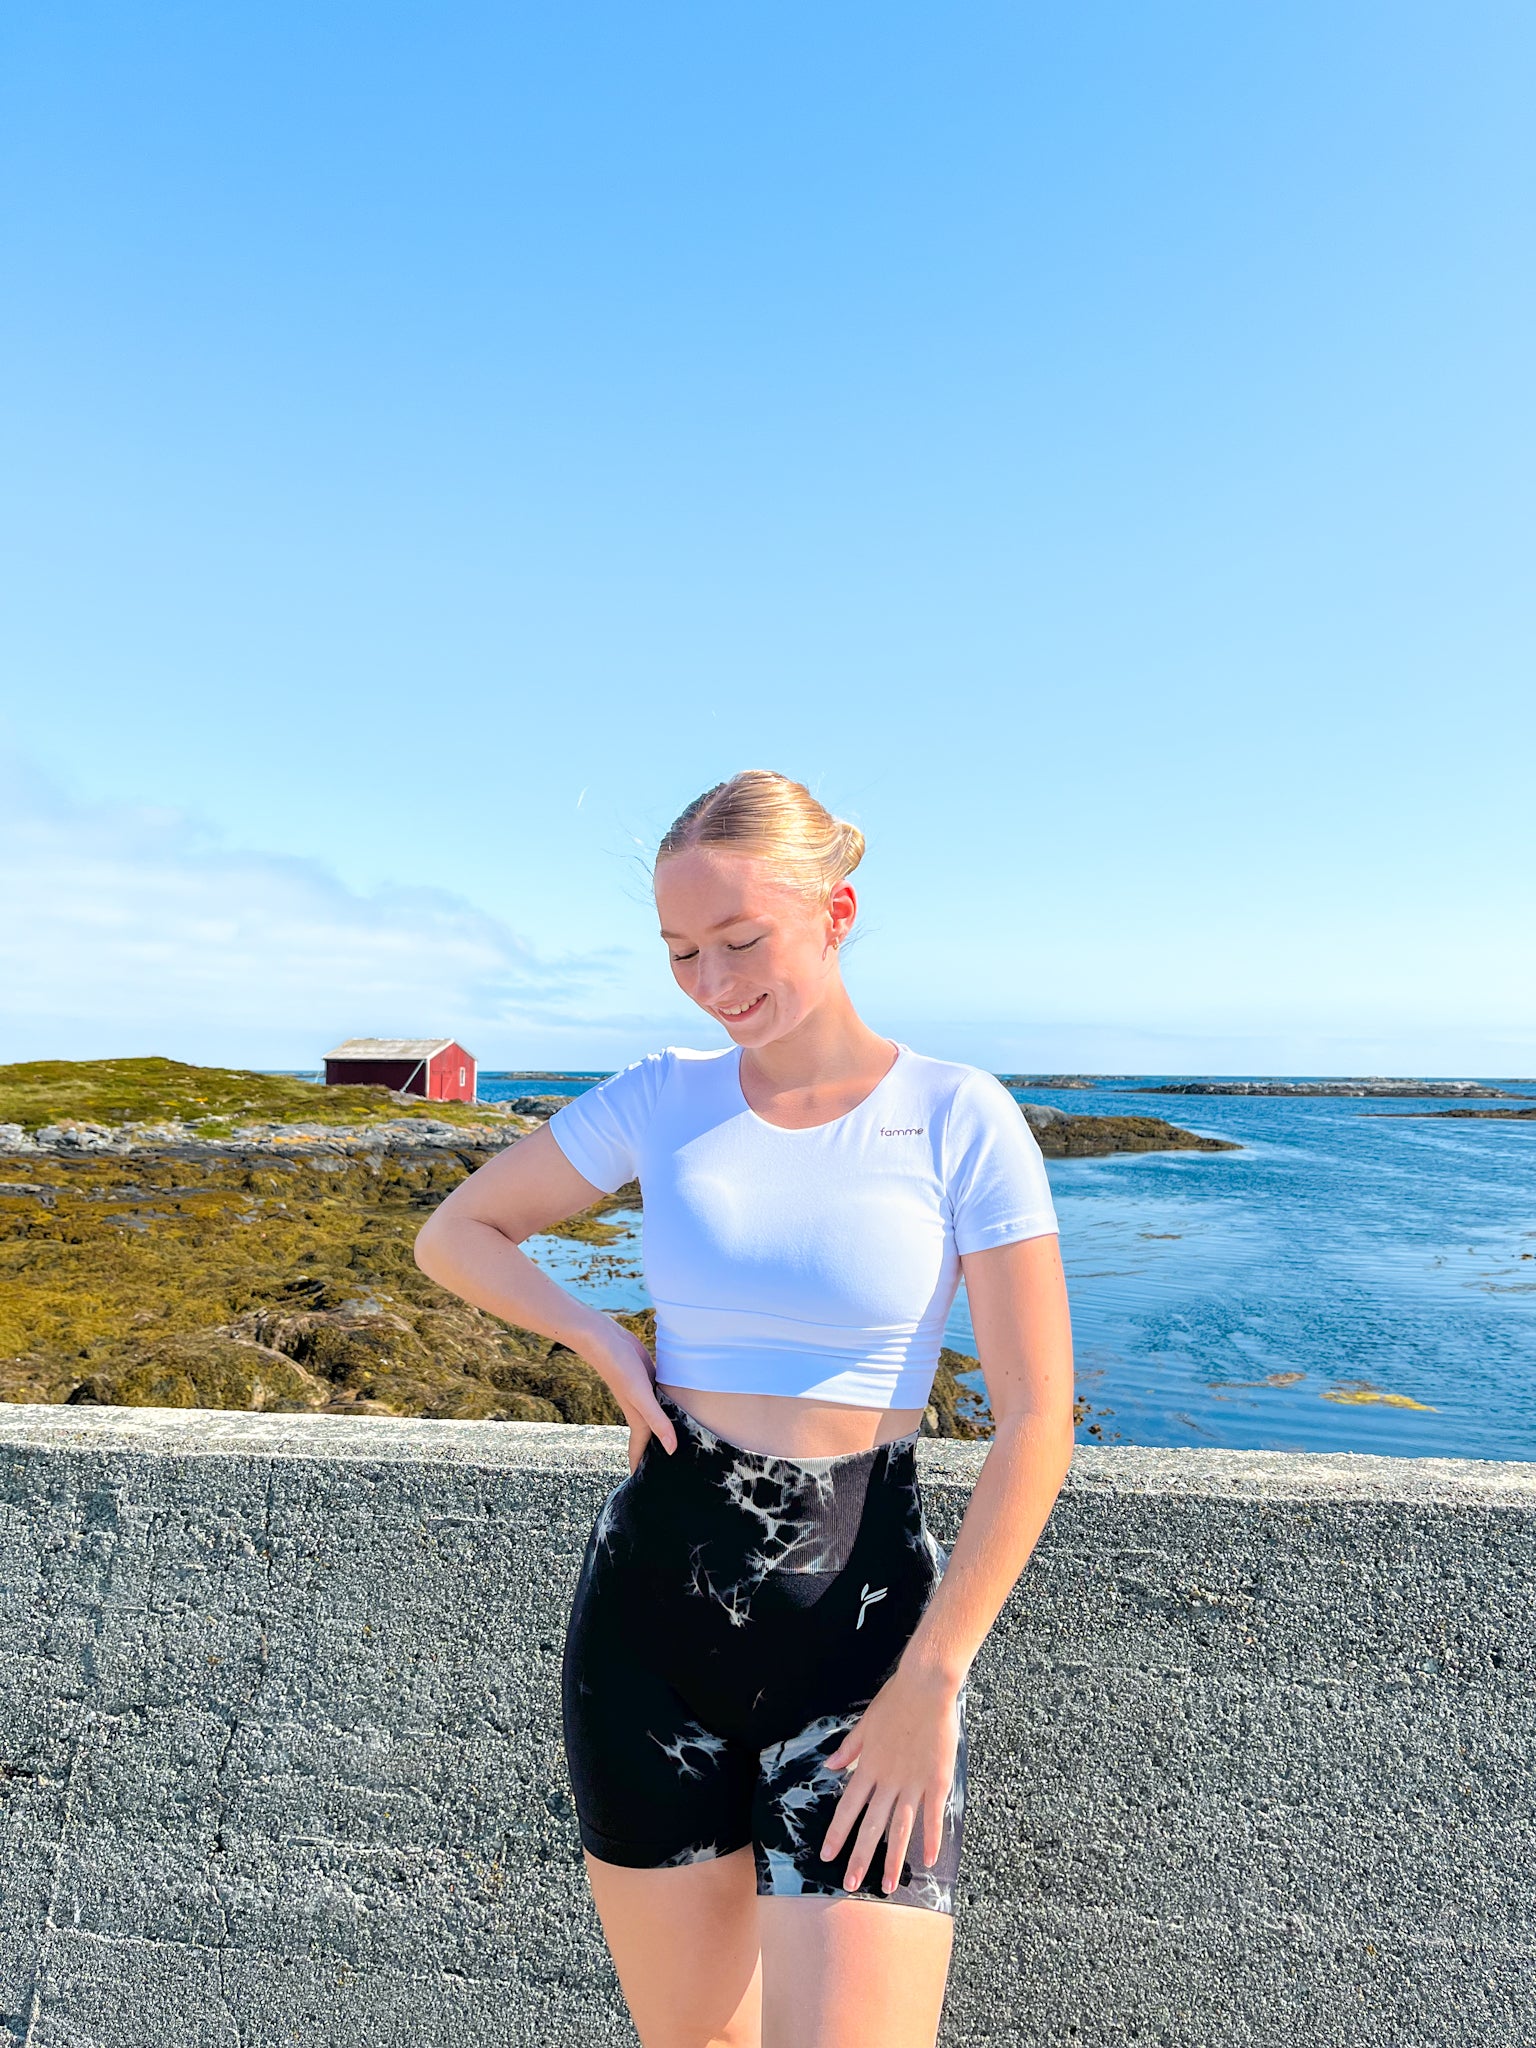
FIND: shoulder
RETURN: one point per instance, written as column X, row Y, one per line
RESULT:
column 952, row 1087
column 646, row 1076
column 692, row 1056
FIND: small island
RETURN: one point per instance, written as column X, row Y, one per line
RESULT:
column 1064, row 1135
column 1481, row 1116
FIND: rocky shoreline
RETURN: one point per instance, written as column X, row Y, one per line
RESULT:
column 1462, row 1090
column 72, row 1138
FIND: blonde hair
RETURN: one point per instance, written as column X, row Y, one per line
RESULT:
column 777, row 819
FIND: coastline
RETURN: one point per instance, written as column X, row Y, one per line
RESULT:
column 1290, row 1275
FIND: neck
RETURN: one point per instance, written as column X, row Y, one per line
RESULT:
column 822, row 1051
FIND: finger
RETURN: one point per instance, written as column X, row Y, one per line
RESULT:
column 897, row 1836
column 848, row 1749
column 871, row 1828
column 935, row 1799
column 658, row 1421
column 850, row 1802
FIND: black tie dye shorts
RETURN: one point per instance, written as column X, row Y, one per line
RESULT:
column 734, row 1616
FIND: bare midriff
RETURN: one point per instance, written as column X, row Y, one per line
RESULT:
column 790, row 1425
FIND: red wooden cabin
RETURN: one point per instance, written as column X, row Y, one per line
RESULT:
column 437, row 1068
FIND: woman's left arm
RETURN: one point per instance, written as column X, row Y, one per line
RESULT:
column 905, row 1742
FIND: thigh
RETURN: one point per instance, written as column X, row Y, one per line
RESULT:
column 851, row 1973
column 684, row 1942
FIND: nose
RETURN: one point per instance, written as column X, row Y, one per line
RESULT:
column 712, row 986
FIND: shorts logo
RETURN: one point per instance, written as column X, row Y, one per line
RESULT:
column 902, row 1131
column 867, row 1600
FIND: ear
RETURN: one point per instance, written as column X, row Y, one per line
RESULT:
column 842, row 908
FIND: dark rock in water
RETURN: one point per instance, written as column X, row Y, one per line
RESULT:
column 1041, row 1116
column 1061, row 1135
column 542, row 1107
column 1506, row 1116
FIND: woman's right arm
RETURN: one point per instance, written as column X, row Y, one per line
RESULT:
column 472, row 1245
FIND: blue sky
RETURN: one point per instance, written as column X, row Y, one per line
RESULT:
column 1091, row 446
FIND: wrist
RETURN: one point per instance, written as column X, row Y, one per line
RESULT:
column 586, row 1331
column 933, row 1669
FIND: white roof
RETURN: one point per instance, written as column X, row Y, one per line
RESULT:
column 387, row 1048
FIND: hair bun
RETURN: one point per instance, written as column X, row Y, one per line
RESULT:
column 760, row 812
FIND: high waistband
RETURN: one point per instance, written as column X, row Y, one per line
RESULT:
column 743, row 1516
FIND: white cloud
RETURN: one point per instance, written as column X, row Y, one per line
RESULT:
column 128, row 929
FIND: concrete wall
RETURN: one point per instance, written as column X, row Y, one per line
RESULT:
column 279, row 1751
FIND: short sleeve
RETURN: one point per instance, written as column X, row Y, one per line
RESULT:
column 601, row 1130
column 994, row 1172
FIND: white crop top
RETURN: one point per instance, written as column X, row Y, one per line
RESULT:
column 819, row 1262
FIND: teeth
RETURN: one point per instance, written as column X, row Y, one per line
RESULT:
column 739, row 1008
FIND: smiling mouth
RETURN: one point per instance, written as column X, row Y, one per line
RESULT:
column 751, row 1010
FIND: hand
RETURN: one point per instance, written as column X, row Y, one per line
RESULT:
column 904, row 1744
column 629, row 1372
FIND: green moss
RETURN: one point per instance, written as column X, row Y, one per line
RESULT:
column 253, row 1280
column 215, row 1099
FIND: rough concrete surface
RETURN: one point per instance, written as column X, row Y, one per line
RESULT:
column 280, row 1758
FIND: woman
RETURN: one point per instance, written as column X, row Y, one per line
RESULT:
column 765, row 1667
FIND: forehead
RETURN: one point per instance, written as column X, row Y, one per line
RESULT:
column 707, row 889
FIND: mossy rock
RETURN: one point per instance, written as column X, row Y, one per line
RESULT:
column 344, row 1347
column 210, row 1370
column 1067, row 1135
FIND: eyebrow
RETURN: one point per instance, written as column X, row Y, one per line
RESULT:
column 741, row 917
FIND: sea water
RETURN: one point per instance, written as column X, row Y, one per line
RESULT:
column 1351, row 1279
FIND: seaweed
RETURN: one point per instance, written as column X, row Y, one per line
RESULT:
column 253, row 1280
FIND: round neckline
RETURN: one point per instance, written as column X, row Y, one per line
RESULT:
column 806, row 1130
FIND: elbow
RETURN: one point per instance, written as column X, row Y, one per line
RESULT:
column 427, row 1248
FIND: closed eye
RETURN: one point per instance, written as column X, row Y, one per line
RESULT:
column 745, row 945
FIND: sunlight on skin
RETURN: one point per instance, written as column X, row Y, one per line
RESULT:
column 685, row 1944
column 852, row 1973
